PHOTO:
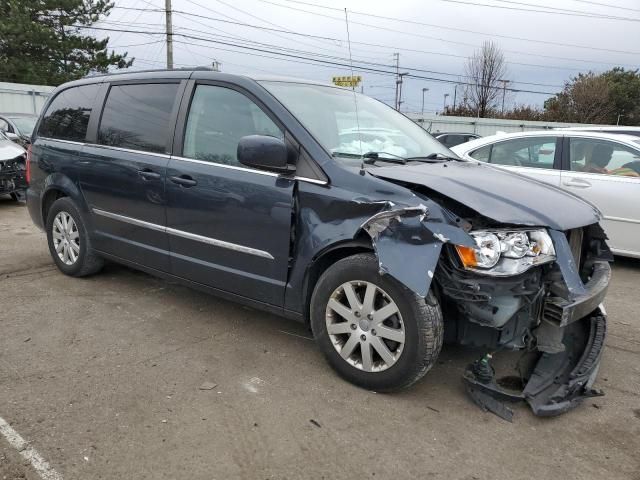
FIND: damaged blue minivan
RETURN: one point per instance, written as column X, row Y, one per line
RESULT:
column 326, row 206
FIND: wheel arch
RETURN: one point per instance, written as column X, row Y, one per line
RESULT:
column 57, row 186
column 327, row 257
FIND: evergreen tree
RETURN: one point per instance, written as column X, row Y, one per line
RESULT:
column 42, row 42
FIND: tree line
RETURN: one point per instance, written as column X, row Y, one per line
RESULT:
column 610, row 97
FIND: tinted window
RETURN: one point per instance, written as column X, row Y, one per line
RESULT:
column 68, row 114
column 218, row 118
column 137, row 116
column 538, row 152
column 592, row 155
column 453, row 140
column 482, row 153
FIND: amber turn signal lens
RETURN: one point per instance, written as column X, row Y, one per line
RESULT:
column 467, row 255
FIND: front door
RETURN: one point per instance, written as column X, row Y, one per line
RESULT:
column 606, row 173
column 229, row 226
column 123, row 176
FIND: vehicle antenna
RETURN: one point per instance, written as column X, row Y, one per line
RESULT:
column 353, row 87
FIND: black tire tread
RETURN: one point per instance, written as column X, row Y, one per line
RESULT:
column 429, row 322
column 90, row 262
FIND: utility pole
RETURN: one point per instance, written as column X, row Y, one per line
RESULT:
column 619, row 116
column 399, row 86
column 169, row 30
column 504, row 90
column 396, row 57
column 445, row 103
column 455, row 95
column 424, row 90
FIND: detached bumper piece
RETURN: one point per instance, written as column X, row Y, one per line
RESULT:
column 556, row 383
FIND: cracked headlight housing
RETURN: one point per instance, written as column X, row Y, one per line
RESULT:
column 507, row 252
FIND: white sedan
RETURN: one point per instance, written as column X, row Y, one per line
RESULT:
column 603, row 168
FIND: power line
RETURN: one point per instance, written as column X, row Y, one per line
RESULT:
column 572, row 13
column 427, row 36
column 608, row 5
column 365, row 62
column 415, row 22
column 209, row 40
column 554, row 67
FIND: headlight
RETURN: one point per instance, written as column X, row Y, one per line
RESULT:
column 507, row 252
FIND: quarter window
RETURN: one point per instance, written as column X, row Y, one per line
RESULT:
column 68, row 114
column 591, row 155
column 483, row 153
column 218, row 118
column 138, row 116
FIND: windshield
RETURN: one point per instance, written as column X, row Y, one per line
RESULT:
column 25, row 124
column 329, row 113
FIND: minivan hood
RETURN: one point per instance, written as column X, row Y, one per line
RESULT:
column 498, row 194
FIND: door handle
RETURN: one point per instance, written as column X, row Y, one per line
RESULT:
column 184, row 180
column 577, row 182
column 147, row 174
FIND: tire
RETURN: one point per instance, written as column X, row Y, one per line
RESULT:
column 418, row 320
column 81, row 260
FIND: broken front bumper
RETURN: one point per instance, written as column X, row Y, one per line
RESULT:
column 560, row 378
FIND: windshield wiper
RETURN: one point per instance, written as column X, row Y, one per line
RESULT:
column 440, row 157
column 372, row 157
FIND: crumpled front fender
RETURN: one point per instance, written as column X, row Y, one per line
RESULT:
column 408, row 242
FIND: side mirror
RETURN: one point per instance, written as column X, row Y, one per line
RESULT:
column 264, row 152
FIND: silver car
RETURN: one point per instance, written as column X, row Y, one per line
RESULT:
column 603, row 168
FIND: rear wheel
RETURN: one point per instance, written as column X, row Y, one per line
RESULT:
column 374, row 331
column 69, row 243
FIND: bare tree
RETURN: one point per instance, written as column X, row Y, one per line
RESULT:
column 485, row 70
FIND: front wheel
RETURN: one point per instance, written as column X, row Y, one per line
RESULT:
column 374, row 331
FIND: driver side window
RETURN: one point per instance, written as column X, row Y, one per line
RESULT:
column 218, row 118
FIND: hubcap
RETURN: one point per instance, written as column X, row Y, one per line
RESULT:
column 365, row 326
column 66, row 238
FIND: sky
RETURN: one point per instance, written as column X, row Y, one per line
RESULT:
column 545, row 42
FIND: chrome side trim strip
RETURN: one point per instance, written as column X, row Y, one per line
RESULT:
column 621, row 219
column 311, row 180
column 71, row 142
column 128, row 150
column 219, row 243
column 181, row 233
column 223, row 165
column 132, row 221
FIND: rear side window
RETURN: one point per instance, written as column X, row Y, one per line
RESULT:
column 68, row 114
column 137, row 116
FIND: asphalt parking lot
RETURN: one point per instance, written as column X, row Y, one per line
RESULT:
column 122, row 375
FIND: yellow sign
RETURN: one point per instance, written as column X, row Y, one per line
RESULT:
column 351, row 81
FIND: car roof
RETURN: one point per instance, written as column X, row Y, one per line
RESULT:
column 480, row 142
column 183, row 74
column 602, row 128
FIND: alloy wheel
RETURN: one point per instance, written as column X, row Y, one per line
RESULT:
column 365, row 326
column 66, row 238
